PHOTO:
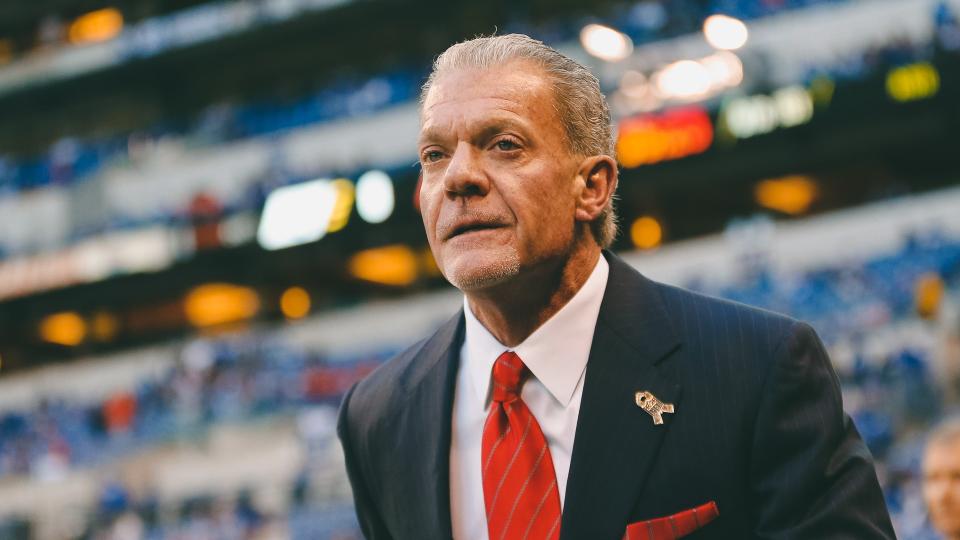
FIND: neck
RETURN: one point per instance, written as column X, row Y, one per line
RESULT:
column 512, row 311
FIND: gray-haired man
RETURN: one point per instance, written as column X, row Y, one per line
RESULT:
column 572, row 397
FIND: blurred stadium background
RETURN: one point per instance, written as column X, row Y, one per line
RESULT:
column 208, row 228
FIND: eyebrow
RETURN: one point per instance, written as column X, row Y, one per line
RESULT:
column 488, row 127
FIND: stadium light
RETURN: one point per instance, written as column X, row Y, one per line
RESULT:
column 220, row 303
column 605, row 43
column 295, row 303
column 684, row 80
column 673, row 134
column 913, row 82
column 297, row 214
column 389, row 265
column 725, row 33
column 66, row 328
column 725, row 69
column 791, row 195
column 100, row 25
column 375, row 197
column 646, row 232
column 758, row 115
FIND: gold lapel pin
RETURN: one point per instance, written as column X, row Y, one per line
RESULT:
column 653, row 406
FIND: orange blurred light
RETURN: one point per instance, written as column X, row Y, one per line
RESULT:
column 646, row 232
column 790, row 194
column 220, row 303
column 100, row 25
column 295, row 303
column 673, row 134
column 388, row 265
column 66, row 328
column 104, row 326
column 928, row 295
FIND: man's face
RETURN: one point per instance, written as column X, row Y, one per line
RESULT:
column 498, row 195
column 941, row 486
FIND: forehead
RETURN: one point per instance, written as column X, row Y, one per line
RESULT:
column 517, row 89
column 943, row 456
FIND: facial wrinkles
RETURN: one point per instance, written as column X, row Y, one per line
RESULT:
column 521, row 190
column 448, row 124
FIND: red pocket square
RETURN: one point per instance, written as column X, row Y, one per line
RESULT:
column 675, row 526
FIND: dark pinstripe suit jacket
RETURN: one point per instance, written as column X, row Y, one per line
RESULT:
column 758, row 428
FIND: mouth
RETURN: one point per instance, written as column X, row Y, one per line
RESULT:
column 472, row 227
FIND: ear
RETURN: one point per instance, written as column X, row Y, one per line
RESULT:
column 596, row 183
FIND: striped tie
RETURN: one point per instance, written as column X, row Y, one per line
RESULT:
column 519, row 483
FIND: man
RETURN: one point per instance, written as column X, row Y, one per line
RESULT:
column 941, row 479
column 573, row 398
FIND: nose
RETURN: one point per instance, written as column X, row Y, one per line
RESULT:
column 464, row 175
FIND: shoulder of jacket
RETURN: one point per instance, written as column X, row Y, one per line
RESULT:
column 722, row 315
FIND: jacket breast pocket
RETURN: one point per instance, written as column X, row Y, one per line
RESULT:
column 673, row 526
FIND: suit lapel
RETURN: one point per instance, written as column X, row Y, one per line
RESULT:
column 423, row 429
column 616, row 441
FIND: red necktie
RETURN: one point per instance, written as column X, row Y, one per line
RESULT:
column 519, row 482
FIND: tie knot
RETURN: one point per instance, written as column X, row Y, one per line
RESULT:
column 509, row 373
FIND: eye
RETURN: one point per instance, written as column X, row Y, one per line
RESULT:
column 431, row 156
column 506, row 145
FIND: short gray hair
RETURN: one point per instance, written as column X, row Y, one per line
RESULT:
column 579, row 102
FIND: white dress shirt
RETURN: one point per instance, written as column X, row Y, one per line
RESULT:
column 556, row 354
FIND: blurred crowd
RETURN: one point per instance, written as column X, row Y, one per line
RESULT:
column 891, row 324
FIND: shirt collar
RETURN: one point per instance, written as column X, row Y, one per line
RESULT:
column 556, row 352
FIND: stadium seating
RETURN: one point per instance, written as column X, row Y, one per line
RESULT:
column 891, row 386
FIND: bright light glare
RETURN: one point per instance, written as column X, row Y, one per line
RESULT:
column 685, row 79
column 725, row 69
column 757, row 115
column 747, row 117
column 794, row 106
column 375, row 198
column 297, row 214
column 605, row 43
column 723, row 32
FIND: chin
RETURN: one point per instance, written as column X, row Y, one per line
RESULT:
column 476, row 270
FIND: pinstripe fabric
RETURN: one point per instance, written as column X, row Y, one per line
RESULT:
column 759, row 428
column 519, row 482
